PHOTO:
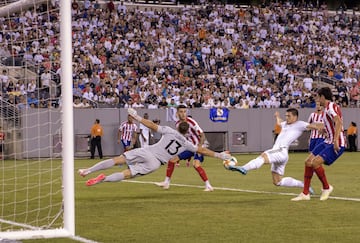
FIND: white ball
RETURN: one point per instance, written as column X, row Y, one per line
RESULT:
column 232, row 161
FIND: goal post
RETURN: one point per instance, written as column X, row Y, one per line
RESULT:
column 36, row 193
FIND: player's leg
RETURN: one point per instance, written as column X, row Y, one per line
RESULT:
column 99, row 147
column 126, row 144
column 169, row 171
column 103, row 165
column 331, row 156
column 253, row 164
column 140, row 162
column 170, row 168
column 92, row 148
column 308, row 173
column 277, row 172
column 198, row 159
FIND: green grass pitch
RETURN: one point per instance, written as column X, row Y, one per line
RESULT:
column 241, row 209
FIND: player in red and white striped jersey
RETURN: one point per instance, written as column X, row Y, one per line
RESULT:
column 194, row 132
column 328, row 151
column 127, row 133
column 196, row 135
column 316, row 137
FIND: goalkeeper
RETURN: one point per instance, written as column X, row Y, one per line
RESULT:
column 142, row 161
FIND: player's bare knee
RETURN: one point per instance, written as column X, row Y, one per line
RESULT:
column 265, row 157
column 317, row 161
column 276, row 178
column 308, row 162
column 174, row 159
column 277, row 181
column 119, row 160
column 196, row 163
column 127, row 174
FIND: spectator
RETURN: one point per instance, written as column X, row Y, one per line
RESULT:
column 32, row 101
column 96, row 133
column 352, row 134
column 354, row 95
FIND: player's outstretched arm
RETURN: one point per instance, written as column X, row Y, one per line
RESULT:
column 148, row 123
column 207, row 152
column 315, row 126
column 278, row 118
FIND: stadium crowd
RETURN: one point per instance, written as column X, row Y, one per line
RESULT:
column 210, row 55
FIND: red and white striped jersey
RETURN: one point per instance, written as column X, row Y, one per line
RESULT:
column 127, row 130
column 316, row 117
column 194, row 132
column 332, row 110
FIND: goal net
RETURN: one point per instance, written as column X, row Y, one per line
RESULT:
column 36, row 165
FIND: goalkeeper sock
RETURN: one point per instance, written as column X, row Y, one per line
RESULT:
column 102, row 165
column 119, row 176
column 254, row 164
column 290, row 182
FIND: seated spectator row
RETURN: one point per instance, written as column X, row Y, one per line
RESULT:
column 203, row 56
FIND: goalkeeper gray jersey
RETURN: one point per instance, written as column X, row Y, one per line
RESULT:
column 171, row 144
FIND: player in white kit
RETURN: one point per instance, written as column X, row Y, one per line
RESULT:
column 142, row 161
column 278, row 156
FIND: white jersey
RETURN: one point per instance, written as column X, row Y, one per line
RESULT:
column 289, row 133
column 171, row 144
column 145, row 132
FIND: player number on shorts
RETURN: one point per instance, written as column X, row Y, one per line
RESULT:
column 173, row 147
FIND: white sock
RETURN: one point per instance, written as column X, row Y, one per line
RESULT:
column 254, row 164
column 119, row 176
column 167, row 179
column 290, row 182
column 207, row 183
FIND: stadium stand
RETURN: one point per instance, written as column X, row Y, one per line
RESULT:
column 223, row 54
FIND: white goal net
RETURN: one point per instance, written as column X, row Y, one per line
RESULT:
column 36, row 198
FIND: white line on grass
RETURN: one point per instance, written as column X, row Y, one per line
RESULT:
column 84, row 240
column 243, row 190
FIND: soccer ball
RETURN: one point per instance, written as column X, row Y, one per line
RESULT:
column 232, row 161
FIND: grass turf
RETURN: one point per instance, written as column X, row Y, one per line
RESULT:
column 241, row 209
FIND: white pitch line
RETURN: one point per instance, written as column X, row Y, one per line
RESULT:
column 244, row 190
column 82, row 239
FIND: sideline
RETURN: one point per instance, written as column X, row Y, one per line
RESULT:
column 244, row 190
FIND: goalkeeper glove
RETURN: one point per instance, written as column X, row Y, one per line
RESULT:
column 132, row 112
column 223, row 155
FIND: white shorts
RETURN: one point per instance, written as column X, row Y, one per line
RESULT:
column 278, row 159
column 141, row 162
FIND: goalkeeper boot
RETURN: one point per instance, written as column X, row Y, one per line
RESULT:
column 238, row 169
column 96, row 180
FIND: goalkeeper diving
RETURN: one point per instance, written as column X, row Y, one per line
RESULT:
column 142, row 161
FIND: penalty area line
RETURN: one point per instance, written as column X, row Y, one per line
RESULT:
column 244, row 190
